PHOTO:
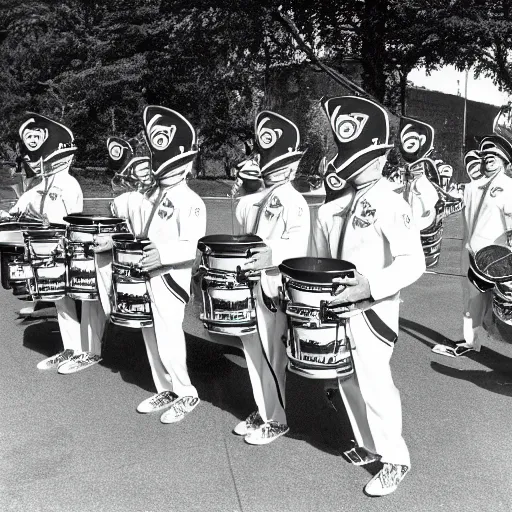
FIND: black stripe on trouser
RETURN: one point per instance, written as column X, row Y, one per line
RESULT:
column 175, row 288
column 276, row 382
column 379, row 328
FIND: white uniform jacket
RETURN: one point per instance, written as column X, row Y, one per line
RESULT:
column 280, row 216
column 372, row 227
column 55, row 196
column 174, row 219
column 487, row 210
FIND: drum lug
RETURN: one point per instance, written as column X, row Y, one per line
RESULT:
column 326, row 316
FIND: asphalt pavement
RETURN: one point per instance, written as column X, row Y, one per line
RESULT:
column 74, row 443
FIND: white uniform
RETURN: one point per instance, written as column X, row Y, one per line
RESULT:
column 177, row 219
column 422, row 196
column 280, row 216
column 57, row 196
column 372, row 228
column 487, row 215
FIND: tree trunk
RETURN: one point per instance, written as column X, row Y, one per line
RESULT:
column 373, row 47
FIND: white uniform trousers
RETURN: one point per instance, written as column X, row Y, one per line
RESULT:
column 266, row 358
column 165, row 340
column 371, row 399
column 85, row 335
column 477, row 307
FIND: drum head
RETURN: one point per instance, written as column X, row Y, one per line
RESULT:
column 316, row 270
column 84, row 219
column 127, row 241
column 230, row 243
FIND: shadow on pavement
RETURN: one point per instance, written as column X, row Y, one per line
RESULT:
column 498, row 380
column 42, row 336
column 495, row 381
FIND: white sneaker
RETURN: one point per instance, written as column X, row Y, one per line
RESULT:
column 56, row 360
column 386, row 480
column 267, row 433
column 78, row 362
column 157, row 402
column 253, row 422
column 179, row 409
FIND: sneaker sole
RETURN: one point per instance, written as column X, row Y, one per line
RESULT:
column 156, row 409
column 260, row 442
column 65, row 371
column 165, row 422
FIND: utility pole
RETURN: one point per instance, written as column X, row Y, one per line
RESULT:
column 464, row 123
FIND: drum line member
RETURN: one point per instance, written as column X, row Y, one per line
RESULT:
column 487, row 215
column 369, row 225
column 173, row 217
column 279, row 215
column 49, row 148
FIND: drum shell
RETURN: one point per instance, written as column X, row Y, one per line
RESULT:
column 227, row 302
column 502, row 302
column 45, row 254
column 316, row 348
column 8, row 254
column 319, row 353
column 131, row 304
column 18, row 273
column 80, row 259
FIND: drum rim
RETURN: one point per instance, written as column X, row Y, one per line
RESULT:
column 230, row 243
column 124, row 240
column 87, row 219
column 315, row 276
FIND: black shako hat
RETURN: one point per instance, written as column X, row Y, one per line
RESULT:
column 277, row 142
column 416, row 139
column 45, row 141
column 361, row 133
column 171, row 139
column 473, row 164
column 496, row 145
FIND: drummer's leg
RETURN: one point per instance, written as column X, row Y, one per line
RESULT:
column 477, row 307
column 69, row 325
column 380, row 429
column 161, row 378
column 92, row 326
column 168, row 313
column 265, row 354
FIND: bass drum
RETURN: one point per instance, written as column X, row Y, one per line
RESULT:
column 317, row 346
column 227, row 301
column 80, row 259
column 131, row 304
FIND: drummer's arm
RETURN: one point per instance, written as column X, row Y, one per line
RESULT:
column 321, row 248
column 405, row 245
column 182, row 251
column 74, row 202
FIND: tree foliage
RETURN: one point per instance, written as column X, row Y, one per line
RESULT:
column 95, row 64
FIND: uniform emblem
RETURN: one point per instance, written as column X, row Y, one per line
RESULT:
column 495, row 191
column 197, row 211
column 347, row 127
column 166, row 209
column 267, row 137
column 53, row 196
column 360, row 223
column 407, row 220
column 367, row 210
column 275, row 202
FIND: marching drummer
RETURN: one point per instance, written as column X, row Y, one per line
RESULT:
column 371, row 226
column 173, row 218
column 48, row 148
column 279, row 215
column 487, row 215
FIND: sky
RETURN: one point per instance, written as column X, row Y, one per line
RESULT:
column 445, row 80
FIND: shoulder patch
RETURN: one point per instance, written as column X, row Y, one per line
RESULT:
column 407, row 220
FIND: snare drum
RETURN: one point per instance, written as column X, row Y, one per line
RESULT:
column 317, row 346
column 81, row 266
column 44, row 251
column 502, row 302
column 227, row 301
column 131, row 304
column 19, row 274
